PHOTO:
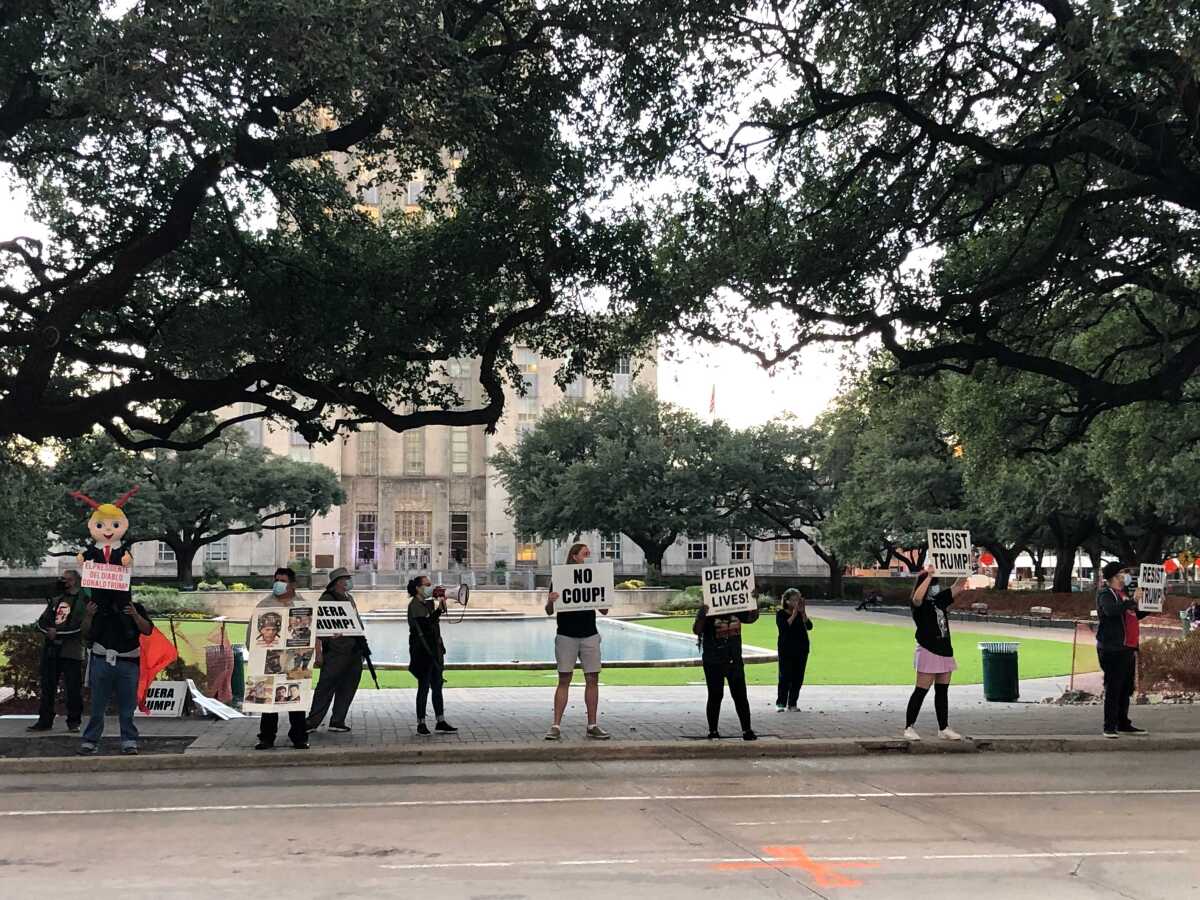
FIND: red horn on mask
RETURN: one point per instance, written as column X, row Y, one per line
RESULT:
column 125, row 496
column 79, row 495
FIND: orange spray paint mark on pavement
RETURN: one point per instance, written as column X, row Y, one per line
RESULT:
column 824, row 874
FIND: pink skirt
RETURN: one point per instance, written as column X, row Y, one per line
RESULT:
column 932, row 664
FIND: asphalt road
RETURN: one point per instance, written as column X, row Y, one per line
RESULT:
column 1052, row 826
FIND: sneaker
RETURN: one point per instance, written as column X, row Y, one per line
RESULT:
column 949, row 734
column 264, row 745
column 129, row 751
column 340, row 729
column 910, row 734
column 554, row 733
column 310, row 729
column 749, row 735
column 303, row 746
column 422, row 728
column 88, row 749
column 1133, row 729
column 445, row 728
column 74, row 729
column 39, row 726
column 596, row 733
column 1112, row 735
column 793, row 709
column 714, row 735
column 779, row 707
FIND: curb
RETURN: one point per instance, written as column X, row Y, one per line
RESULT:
column 591, row 752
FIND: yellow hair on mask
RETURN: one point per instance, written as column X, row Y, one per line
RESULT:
column 108, row 511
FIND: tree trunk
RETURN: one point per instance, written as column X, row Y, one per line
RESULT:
column 1006, row 560
column 653, row 551
column 1038, row 555
column 185, row 555
column 830, row 559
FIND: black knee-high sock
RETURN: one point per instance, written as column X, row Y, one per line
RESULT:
column 914, row 705
column 941, row 704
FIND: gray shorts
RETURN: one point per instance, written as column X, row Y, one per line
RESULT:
column 586, row 650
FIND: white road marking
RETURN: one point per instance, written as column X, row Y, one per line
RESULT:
column 618, row 798
column 724, row 860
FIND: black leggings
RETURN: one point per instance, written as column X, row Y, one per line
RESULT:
column 715, row 676
column 792, row 664
column 428, row 673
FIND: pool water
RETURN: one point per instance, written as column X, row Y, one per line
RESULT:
column 527, row 641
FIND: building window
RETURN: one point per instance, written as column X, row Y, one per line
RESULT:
column 414, row 452
column 299, row 539
column 414, row 527
column 527, row 552
column 525, row 423
column 460, row 451
column 785, row 550
column 217, row 551
column 623, row 366
column 697, row 550
column 739, row 549
column 460, row 538
column 610, row 546
column 165, row 553
column 296, row 439
column 367, row 531
column 369, row 195
column 574, row 388
column 368, row 453
column 415, row 190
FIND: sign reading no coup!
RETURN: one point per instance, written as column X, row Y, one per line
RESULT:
column 728, row 589
column 583, row 587
column 950, row 552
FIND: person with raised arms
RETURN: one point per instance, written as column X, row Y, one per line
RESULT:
column 577, row 640
column 934, row 658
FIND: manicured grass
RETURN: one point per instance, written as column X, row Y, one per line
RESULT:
column 843, row 653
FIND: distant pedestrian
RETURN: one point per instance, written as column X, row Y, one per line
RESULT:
column 62, row 653
column 283, row 596
column 426, row 652
column 1116, row 645
column 934, row 659
column 577, row 640
column 874, row 598
column 341, row 662
column 793, row 624
column 721, row 653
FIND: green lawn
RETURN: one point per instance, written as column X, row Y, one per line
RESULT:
column 843, row 653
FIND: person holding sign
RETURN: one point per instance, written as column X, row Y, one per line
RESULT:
column 1117, row 629
column 793, row 624
column 934, row 660
column 341, row 662
column 426, row 652
column 721, row 653
column 62, row 653
column 577, row 639
column 272, row 611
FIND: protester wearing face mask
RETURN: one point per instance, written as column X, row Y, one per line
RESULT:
column 934, row 659
column 283, row 595
column 341, row 664
column 1116, row 645
column 426, row 652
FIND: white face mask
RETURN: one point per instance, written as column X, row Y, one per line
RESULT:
column 1127, row 579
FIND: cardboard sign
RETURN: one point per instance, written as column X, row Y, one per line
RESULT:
column 950, row 552
column 338, row 618
column 583, row 587
column 728, row 589
column 105, row 577
column 282, row 644
column 164, row 699
column 1153, row 581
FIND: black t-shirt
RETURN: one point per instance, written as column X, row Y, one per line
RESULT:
column 721, row 640
column 577, row 623
column 933, row 625
column 792, row 636
column 112, row 629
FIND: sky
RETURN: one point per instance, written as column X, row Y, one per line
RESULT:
column 746, row 395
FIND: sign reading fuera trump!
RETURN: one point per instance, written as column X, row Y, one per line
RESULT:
column 338, row 618
column 950, row 552
column 728, row 589
column 1153, row 582
column 583, row 587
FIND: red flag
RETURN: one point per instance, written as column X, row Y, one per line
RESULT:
column 157, row 653
column 712, row 401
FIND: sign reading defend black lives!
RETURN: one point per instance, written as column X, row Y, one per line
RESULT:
column 950, row 552
column 728, row 589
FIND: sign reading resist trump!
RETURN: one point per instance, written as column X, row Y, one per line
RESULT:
column 950, row 552
column 583, row 587
column 728, row 589
column 1153, row 582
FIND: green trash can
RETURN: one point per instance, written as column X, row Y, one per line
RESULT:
column 1001, row 683
column 237, row 681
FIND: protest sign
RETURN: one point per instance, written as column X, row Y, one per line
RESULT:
column 950, row 552
column 583, row 587
column 164, row 699
column 282, row 644
column 728, row 589
column 105, row 577
column 1153, row 582
column 338, row 618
